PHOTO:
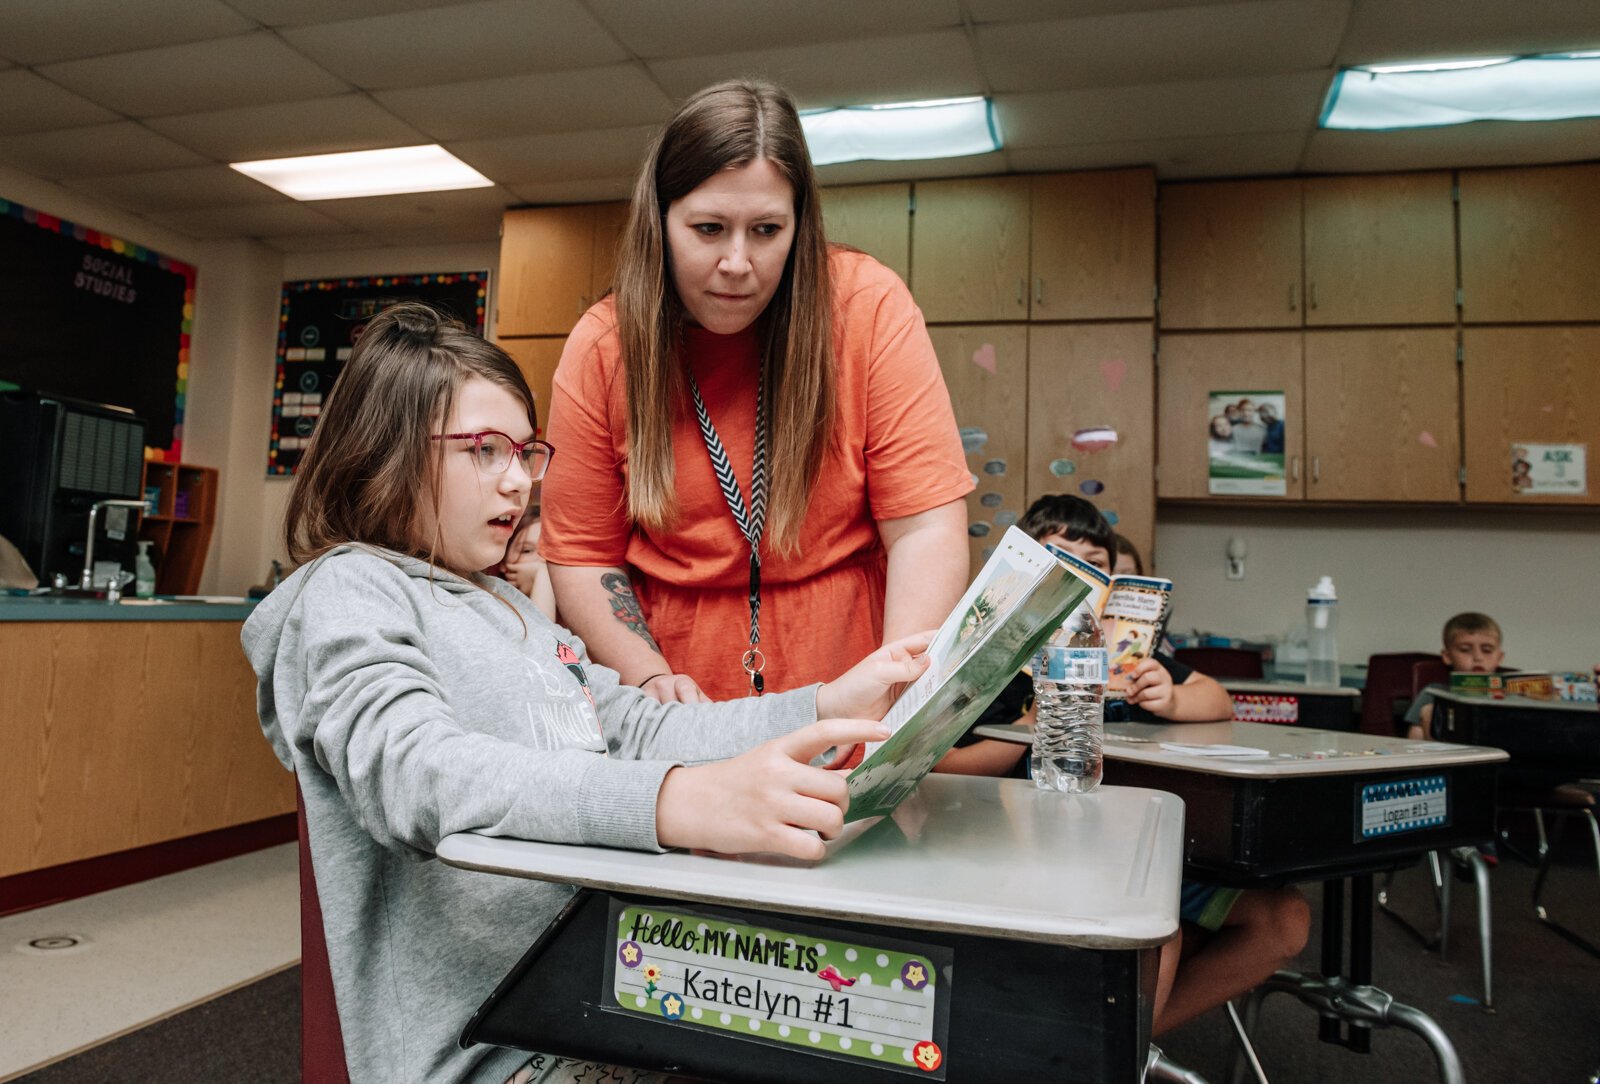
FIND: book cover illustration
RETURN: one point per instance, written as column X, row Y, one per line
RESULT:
column 1134, row 620
column 1019, row 597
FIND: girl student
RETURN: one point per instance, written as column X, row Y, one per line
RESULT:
column 761, row 476
column 414, row 697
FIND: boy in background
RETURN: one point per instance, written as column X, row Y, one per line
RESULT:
column 1471, row 646
column 1230, row 940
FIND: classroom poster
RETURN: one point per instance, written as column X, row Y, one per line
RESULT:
column 1539, row 469
column 1245, row 443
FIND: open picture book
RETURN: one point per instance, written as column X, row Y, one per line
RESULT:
column 1018, row 599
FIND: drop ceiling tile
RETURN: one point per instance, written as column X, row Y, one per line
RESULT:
column 556, row 157
column 348, row 122
column 910, row 67
column 50, row 30
column 29, row 103
column 245, row 70
column 415, row 213
column 321, row 242
column 311, row 12
column 1018, row 11
column 709, row 27
column 616, row 96
column 599, row 190
column 1484, row 143
column 1273, row 103
column 121, row 147
column 256, row 221
column 1268, row 153
column 459, row 44
column 1128, row 48
column 1381, row 30
column 199, row 188
column 975, row 165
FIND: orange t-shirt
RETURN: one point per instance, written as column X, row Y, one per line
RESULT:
column 899, row 453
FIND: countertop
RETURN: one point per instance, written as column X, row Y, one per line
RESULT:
column 163, row 608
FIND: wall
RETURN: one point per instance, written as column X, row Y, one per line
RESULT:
column 252, row 525
column 1399, row 573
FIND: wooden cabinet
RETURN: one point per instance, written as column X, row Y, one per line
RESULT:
column 876, row 218
column 1381, row 421
column 554, row 263
column 1380, row 250
column 1192, row 368
column 1093, row 245
column 1535, row 385
column 969, row 250
column 186, row 512
column 121, row 734
column 1095, row 376
column 537, row 358
column 1530, row 244
column 1231, row 255
column 986, row 370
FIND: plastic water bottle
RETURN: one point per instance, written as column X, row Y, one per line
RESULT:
column 1322, row 628
column 1069, row 685
column 144, row 573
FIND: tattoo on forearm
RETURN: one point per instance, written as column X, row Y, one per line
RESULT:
column 625, row 607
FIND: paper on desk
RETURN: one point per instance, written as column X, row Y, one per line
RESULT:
column 1212, row 750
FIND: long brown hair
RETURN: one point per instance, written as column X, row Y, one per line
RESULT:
column 370, row 463
column 727, row 125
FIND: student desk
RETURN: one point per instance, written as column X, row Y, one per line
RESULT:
column 1315, row 806
column 1327, row 707
column 1040, row 915
column 1550, row 741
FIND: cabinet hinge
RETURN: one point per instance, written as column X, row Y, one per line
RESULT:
column 1460, row 354
column 1461, row 475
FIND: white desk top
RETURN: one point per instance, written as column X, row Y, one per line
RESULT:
column 1286, row 750
column 1479, row 700
column 991, row 857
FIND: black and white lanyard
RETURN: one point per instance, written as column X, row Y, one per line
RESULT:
column 751, row 521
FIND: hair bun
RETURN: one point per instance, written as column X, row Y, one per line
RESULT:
column 414, row 318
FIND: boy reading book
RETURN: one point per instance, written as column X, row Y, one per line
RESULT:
column 1471, row 646
column 1230, row 940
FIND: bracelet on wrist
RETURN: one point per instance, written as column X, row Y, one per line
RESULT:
column 648, row 680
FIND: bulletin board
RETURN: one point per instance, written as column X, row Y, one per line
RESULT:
column 91, row 316
column 319, row 321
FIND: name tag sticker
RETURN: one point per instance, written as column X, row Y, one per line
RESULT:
column 798, row 987
column 1404, row 805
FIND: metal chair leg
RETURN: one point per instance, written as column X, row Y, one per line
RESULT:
column 1480, row 873
column 1539, row 909
column 1246, row 1048
column 1160, row 1067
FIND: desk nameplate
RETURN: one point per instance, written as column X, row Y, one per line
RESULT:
column 885, row 1003
column 1404, row 805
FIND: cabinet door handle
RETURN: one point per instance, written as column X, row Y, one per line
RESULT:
column 1313, row 295
column 1294, row 468
column 1038, row 291
column 1294, row 299
column 1316, row 469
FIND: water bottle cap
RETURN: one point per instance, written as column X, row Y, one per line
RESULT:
column 1323, row 589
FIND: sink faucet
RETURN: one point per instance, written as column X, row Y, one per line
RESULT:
column 86, row 581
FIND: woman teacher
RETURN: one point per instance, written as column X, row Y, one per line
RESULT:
column 760, row 477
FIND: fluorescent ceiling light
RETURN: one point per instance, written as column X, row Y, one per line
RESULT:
column 386, row 172
column 1427, row 94
column 905, row 131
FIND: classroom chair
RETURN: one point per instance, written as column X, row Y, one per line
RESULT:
column 321, row 1038
column 1222, row 662
column 1562, row 802
column 1429, row 671
column 1389, row 681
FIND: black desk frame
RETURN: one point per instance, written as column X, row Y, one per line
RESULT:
column 1019, row 1010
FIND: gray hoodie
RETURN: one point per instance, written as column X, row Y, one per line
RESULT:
column 412, row 704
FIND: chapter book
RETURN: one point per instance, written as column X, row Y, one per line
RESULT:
column 1133, row 621
column 1018, row 599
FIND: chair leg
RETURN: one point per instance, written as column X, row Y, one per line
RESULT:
column 1539, row 909
column 1445, row 877
column 1480, row 873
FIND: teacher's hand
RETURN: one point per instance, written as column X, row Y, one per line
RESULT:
column 674, row 689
